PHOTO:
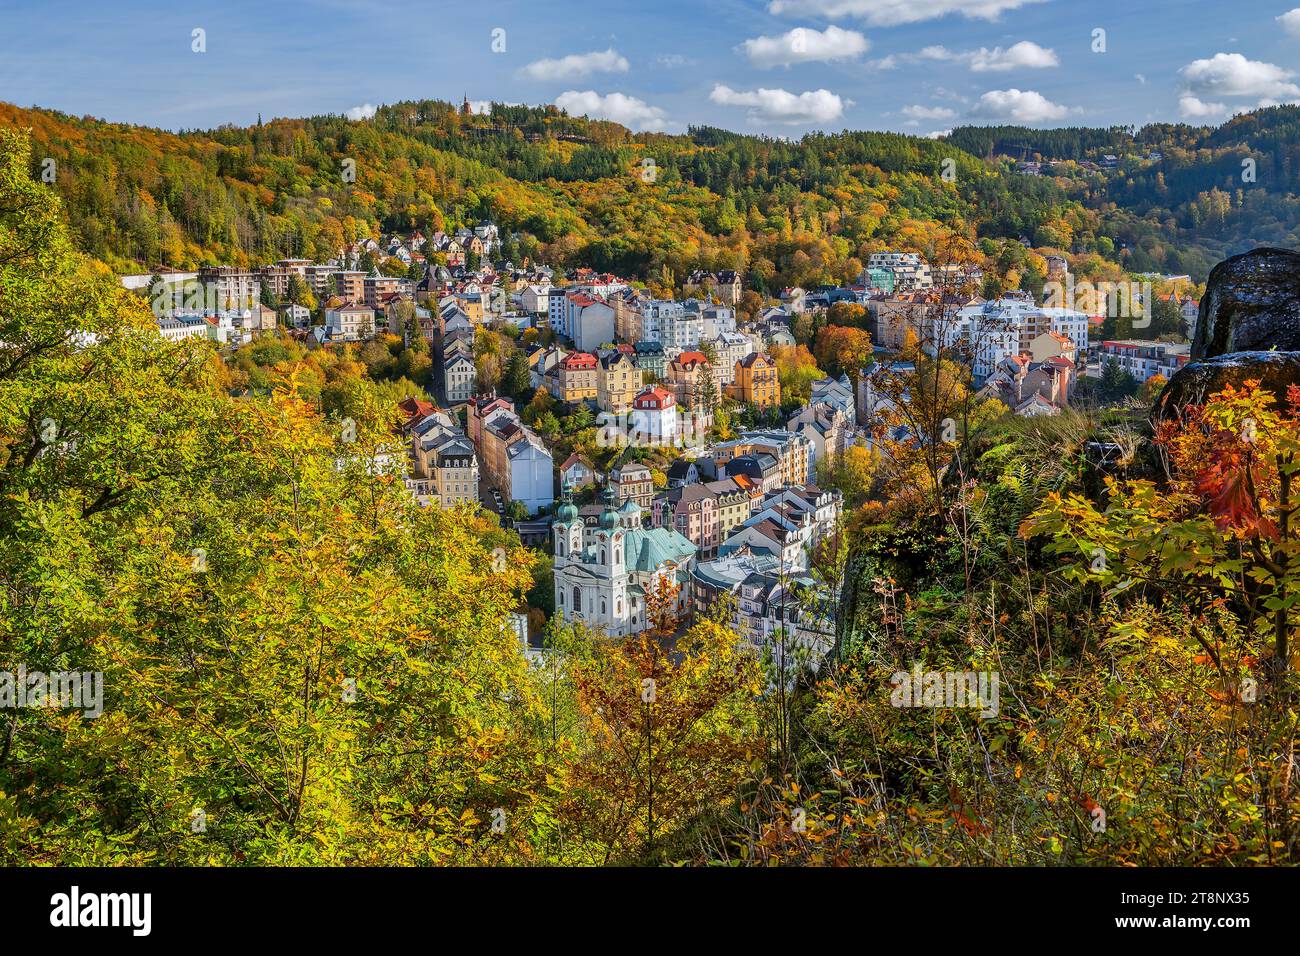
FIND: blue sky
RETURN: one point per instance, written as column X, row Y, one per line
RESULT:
column 782, row 67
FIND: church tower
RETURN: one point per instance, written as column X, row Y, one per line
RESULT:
column 567, row 529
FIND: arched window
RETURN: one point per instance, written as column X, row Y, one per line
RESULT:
column 618, row 555
column 602, row 555
column 561, row 542
column 602, row 605
column 577, row 599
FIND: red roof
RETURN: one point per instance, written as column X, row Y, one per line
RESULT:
column 654, row 397
column 578, row 360
column 691, row 359
column 414, row 409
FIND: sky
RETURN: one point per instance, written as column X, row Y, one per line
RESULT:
column 779, row 67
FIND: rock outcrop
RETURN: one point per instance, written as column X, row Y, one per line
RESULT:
column 1251, row 304
column 1197, row 381
column 1248, row 328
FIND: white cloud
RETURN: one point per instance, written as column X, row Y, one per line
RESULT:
column 937, row 53
column 1193, row 108
column 781, row 106
column 1231, row 74
column 802, row 45
column 938, row 134
column 887, row 13
column 361, row 112
column 1141, row 78
column 1290, row 21
column 929, row 112
column 577, row 65
column 1018, row 106
column 480, row 107
column 633, row 113
column 1022, row 55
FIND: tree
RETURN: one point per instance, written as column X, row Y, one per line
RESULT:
column 517, row 381
column 279, row 645
column 666, row 733
column 843, row 350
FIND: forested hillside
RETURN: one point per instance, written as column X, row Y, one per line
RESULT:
column 1181, row 197
column 574, row 190
column 301, row 666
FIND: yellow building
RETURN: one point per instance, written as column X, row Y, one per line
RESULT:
column 617, row 382
column 577, row 377
column 757, row 381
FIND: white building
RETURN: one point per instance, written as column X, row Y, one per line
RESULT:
column 910, row 270
column 992, row 331
column 654, row 417
column 350, row 322
column 728, row 349
column 608, row 582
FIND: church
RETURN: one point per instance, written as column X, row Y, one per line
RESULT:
column 604, row 582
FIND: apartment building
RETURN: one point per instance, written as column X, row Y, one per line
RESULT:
column 617, row 381
column 1143, row 359
column 756, row 381
column 577, row 377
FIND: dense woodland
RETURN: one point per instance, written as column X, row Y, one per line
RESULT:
column 288, row 660
column 570, row 190
column 1199, row 202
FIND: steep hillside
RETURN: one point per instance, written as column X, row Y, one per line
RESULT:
column 1205, row 192
column 574, row 190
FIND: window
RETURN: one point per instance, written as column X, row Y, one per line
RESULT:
column 577, row 599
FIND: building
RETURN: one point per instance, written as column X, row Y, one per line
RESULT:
column 836, row 392
column 555, row 309
column 788, row 524
column 692, row 511
column 772, row 610
column 295, row 316
column 910, row 271
column 694, row 385
column 789, row 451
column 1143, row 359
column 633, row 482
column 576, row 473
column 350, row 285
column 611, row 582
column 725, row 284
column 349, row 322
column 650, row 359
column 458, row 374
column 827, row 428
column 729, row 348
column 756, row 381
column 227, row 287
column 588, row 321
column 513, row 459
column 617, row 381
column 577, row 377
column 759, row 471
column 988, row 333
column 443, row 462
column 177, row 327
column 654, row 417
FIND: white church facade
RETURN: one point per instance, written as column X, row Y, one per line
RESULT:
column 605, row 583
